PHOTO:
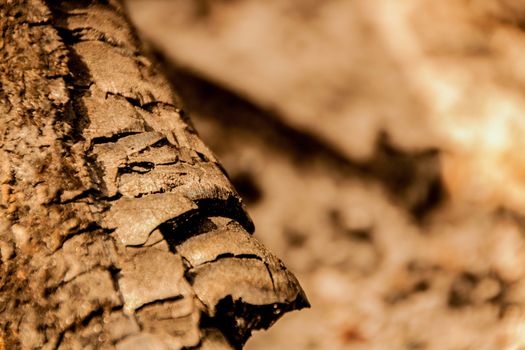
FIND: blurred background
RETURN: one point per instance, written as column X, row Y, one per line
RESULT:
column 379, row 146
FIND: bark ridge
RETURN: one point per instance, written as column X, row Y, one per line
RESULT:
column 118, row 227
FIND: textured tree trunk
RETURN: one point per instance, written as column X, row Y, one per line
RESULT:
column 118, row 228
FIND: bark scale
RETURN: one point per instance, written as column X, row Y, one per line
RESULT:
column 118, row 227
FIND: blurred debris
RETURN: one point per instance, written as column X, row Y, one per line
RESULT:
column 378, row 147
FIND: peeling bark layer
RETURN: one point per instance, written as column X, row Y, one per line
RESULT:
column 118, row 228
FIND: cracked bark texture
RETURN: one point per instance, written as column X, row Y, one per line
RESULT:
column 118, row 228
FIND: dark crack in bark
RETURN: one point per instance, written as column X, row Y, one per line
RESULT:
column 108, row 196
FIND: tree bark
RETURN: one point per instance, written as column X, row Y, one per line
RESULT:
column 118, row 227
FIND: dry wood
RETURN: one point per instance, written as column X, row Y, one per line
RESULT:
column 118, row 228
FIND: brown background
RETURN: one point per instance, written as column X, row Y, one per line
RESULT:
column 378, row 145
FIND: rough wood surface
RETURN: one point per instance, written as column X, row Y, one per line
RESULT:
column 118, row 228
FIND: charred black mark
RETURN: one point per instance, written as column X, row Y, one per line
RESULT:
column 197, row 221
column 159, row 302
column 137, row 167
column 185, row 226
column 236, row 319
